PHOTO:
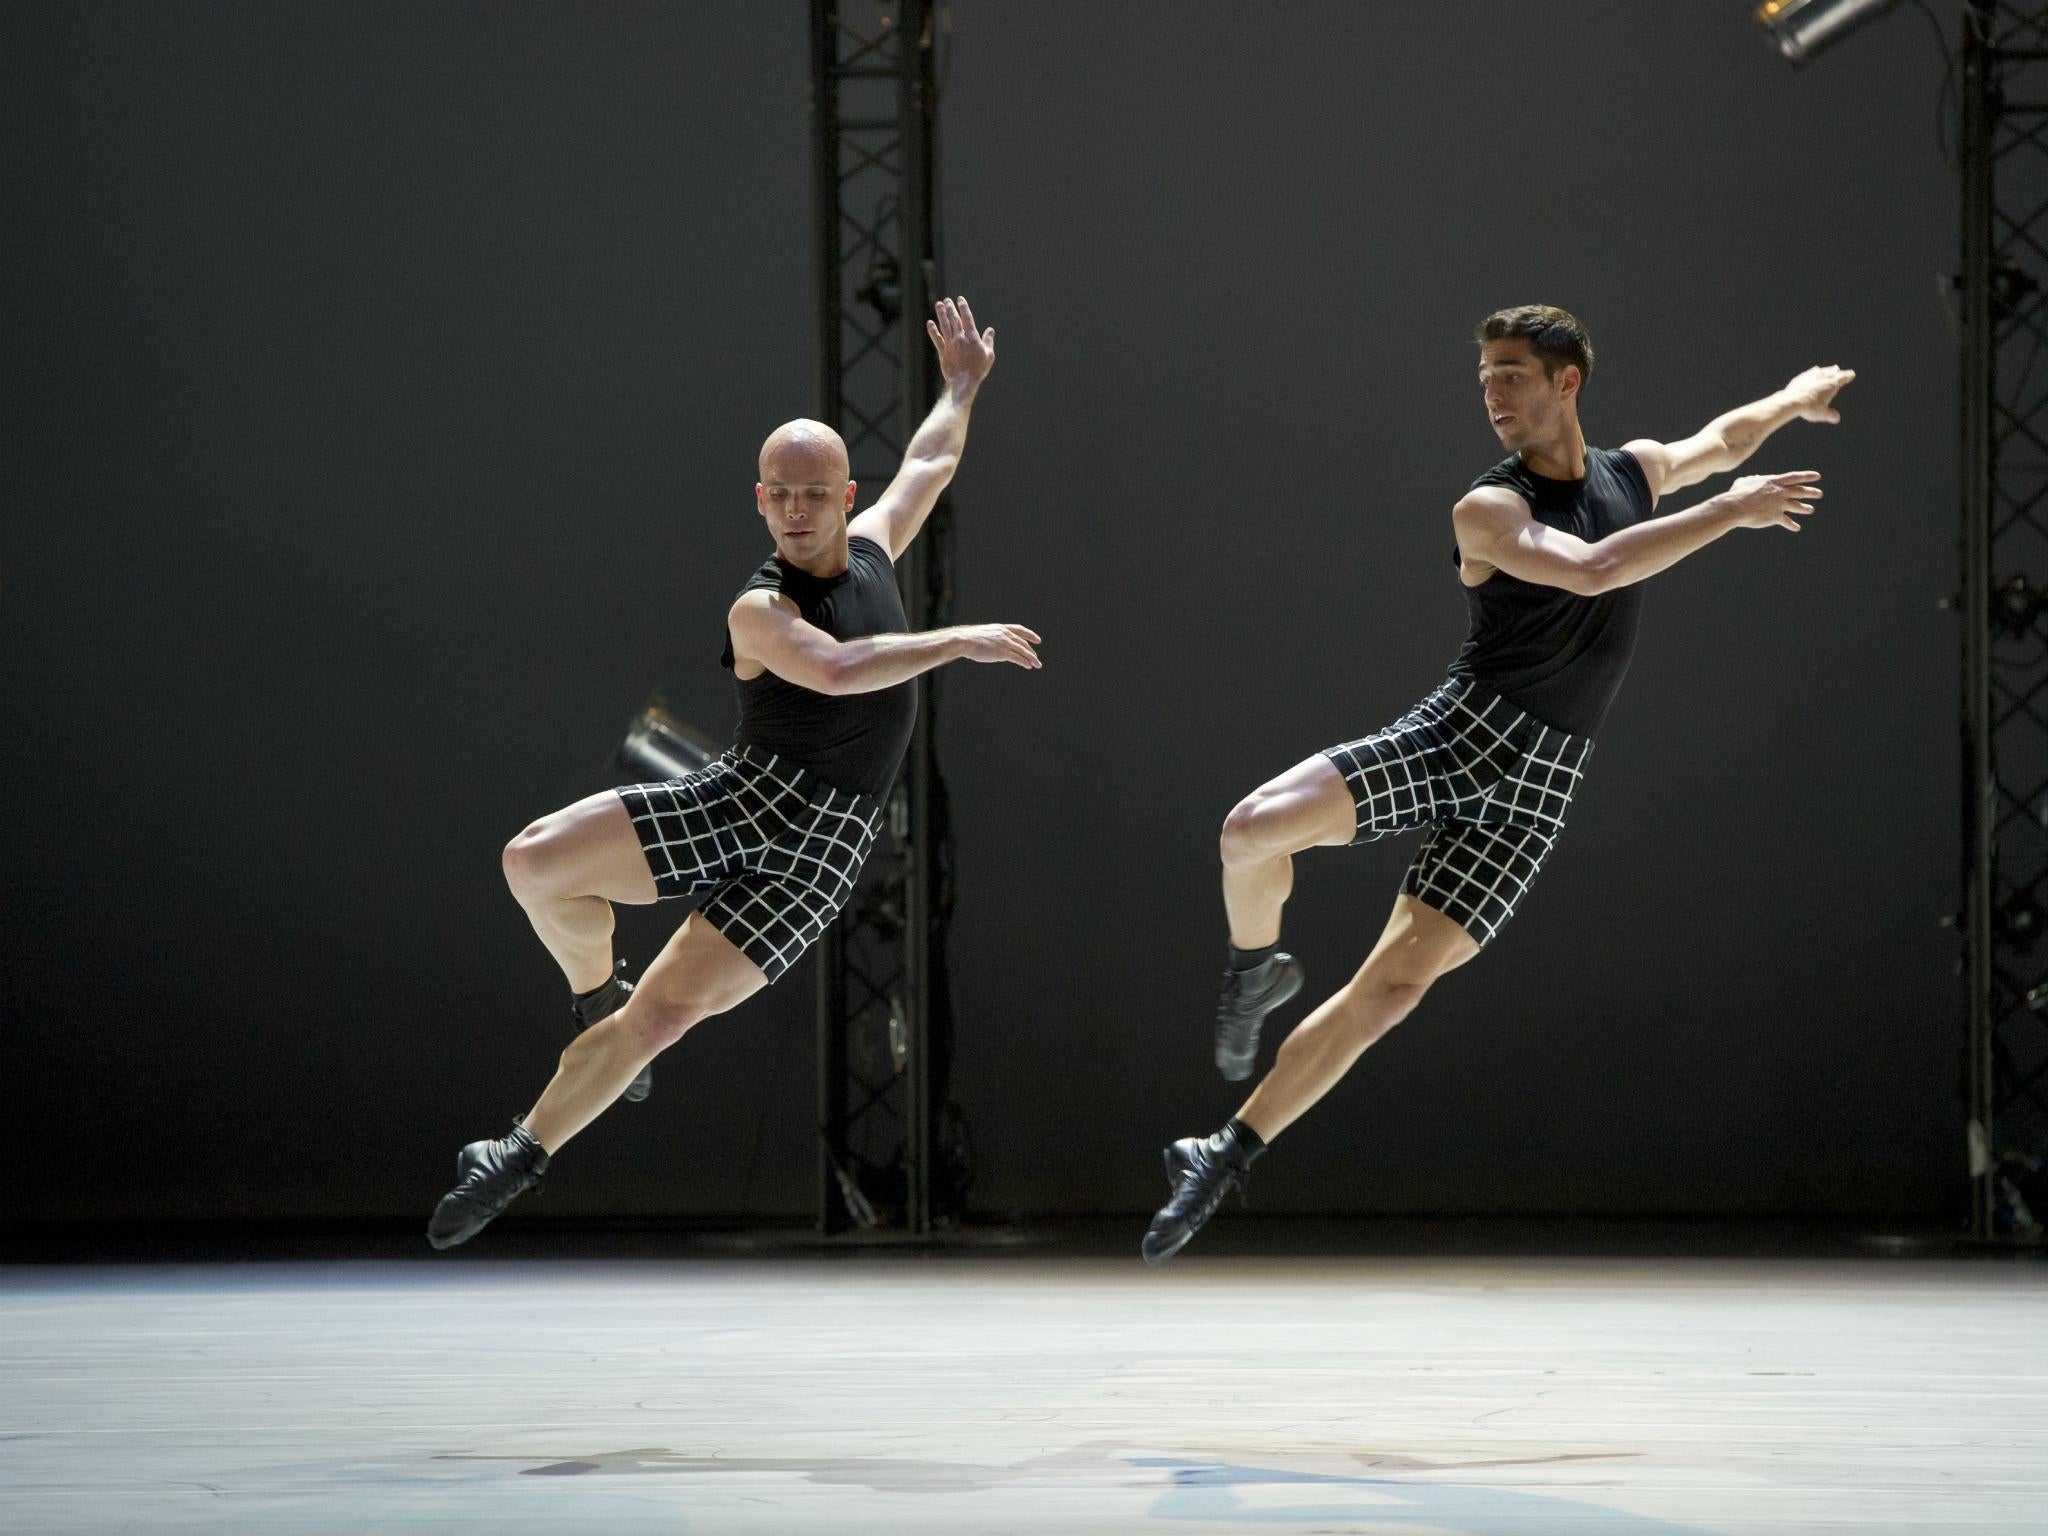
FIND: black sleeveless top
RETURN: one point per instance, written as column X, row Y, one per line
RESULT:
column 852, row 741
column 1557, row 655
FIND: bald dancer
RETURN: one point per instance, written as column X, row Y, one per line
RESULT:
column 772, row 836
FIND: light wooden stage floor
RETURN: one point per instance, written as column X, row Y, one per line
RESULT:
column 1026, row 1393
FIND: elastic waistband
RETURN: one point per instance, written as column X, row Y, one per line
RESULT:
column 1464, row 691
column 794, row 777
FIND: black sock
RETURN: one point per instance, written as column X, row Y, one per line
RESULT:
column 601, row 1001
column 1249, row 1143
column 1245, row 959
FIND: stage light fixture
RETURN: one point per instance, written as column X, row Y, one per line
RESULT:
column 1803, row 28
column 658, row 745
column 883, row 291
column 2018, row 921
column 2017, row 607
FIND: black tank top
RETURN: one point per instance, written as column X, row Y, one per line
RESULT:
column 1559, row 656
column 852, row 741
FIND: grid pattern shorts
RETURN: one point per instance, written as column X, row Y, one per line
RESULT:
column 1491, row 783
column 773, row 853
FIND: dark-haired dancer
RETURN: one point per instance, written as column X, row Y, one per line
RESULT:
column 1552, row 545
column 773, row 834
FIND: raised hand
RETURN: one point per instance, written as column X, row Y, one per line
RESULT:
column 998, row 642
column 965, row 355
column 1814, row 392
column 1773, row 501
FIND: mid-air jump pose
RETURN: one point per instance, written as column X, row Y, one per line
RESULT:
column 773, row 834
column 1553, row 544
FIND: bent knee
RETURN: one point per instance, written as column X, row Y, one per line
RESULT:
column 525, row 858
column 1299, row 810
column 1386, row 998
column 659, row 1022
column 1252, row 831
column 655, row 1029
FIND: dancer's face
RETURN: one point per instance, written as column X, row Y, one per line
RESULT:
column 804, row 492
column 1524, row 404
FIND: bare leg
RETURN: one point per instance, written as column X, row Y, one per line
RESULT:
column 566, row 870
column 1308, row 806
column 1418, row 945
column 698, row 973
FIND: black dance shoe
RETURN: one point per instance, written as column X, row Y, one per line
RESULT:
column 489, row 1175
column 611, row 997
column 1200, row 1170
column 1248, row 996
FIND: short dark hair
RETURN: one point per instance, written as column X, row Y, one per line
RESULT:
column 1553, row 334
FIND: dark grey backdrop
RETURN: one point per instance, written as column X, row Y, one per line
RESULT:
column 384, row 383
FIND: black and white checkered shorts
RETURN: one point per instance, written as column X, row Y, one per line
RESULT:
column 776, row 851
column 1491, row 783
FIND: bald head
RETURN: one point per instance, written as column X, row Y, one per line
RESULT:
column 801, row 451
column 806, row 493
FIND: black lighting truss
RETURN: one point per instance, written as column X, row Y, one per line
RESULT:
column 2003, row 316
column 884, row 1012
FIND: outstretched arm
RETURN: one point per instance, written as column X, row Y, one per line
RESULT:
column 1727, row 441
column 965, row 357
column 1496, row 529
column 767, row 628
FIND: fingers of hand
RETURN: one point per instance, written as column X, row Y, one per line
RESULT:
column 1827, row 383
column 955, row 324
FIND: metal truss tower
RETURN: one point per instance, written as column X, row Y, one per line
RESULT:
column 884, row 1013
column 2003, row 315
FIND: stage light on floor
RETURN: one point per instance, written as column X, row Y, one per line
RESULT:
column 1803, row 28
column 659, row 745
column 2022, row 1198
